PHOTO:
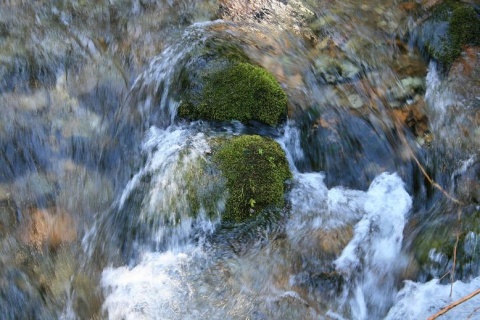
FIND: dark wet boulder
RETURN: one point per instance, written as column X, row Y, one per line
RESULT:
column 351, row 150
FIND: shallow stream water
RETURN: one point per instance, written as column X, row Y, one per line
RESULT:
column 97, row 171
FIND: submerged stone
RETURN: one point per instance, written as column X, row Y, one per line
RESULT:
column 256, row 170
column 333, row 70
column 51, row 227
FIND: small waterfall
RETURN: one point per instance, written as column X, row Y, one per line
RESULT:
column 181, row 189
column 351, row 238
column 181, row 198
column 153, row 93
column 373, row 258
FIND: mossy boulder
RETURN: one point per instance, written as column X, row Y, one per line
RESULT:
column 219, row 83
column 452, row 26
column 256, row 169
column 434, row 247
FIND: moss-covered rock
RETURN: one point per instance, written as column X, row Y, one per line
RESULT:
column 452, row 26
column 222, row 85
column 256, row 170
column 434, row 247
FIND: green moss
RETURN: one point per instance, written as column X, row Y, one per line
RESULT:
column 463, row 28
column 256, row 169
column 442, row 236
column 238, row 91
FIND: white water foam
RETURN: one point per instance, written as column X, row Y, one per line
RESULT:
column 422, row 300
column 154, row 289
column 373, row 257
column 161, row 286
column 314, row 206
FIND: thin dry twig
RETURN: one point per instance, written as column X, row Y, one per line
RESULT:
column 454, row 304
column 472, row 313
column 446, row 274
column 432, row 182
column 452, row 273
column 424, row 172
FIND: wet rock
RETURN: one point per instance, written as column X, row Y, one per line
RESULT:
column 290, row 305
column 8, row 219
column 38, row 188
column 454, row 106
column 82, row 191
column 327, row 284
column 67, row 116
column 355, row 101
column 99, row 87
column 350, row 150
column 57, row 277
column 281, row 15
column 408, row 62
column 88, row 299
column 20, row 299
column 464, row 74
column 23, row 151
column 467, row 184
column 435, row 245
column 405, row 90
column 414, row 116
column 35, row 49
column 36, row 102
column 332, row 242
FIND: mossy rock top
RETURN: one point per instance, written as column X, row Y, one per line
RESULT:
column 453, row 25
column 222, row 85
column 256, row 169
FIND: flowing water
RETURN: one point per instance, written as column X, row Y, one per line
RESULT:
column 111, row 205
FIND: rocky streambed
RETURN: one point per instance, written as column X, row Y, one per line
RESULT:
column 113, row 116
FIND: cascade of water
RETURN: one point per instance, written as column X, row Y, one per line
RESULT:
column 175, row 171
column 365, row 255
column 153, row 91
column 373, row 259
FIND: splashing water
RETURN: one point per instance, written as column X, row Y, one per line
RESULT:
column 373, row 257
